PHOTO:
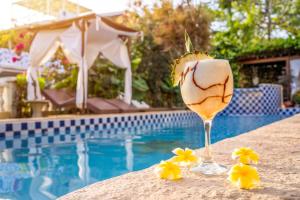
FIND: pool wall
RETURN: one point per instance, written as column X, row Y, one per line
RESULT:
column 263, row 100
column 43, row 131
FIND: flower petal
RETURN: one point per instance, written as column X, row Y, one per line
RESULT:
column 178, row 151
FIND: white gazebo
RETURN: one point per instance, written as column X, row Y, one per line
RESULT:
column 81, row 39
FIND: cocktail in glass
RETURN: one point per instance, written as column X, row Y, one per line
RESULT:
column 206, row 86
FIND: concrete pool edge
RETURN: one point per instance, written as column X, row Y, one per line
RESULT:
column 279, row 167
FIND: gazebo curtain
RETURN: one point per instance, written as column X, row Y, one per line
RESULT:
column 99, row 37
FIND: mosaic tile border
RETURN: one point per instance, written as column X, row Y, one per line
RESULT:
column 22, row 134
column 263, row 100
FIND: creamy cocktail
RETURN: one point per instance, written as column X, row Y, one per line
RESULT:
column 206, row 86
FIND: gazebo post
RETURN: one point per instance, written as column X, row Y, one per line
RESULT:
column 83, row 35
column 288, row 74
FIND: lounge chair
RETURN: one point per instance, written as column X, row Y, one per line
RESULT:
column 101, row 106
column 123, row 106
column 60, row 98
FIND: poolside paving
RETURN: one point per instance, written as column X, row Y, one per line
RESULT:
column 278, row 145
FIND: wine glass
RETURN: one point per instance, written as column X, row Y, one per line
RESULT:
column 206, row 88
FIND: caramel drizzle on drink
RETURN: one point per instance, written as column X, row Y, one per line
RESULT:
column 193, row 69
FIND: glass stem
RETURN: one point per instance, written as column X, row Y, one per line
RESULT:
column 207, row 157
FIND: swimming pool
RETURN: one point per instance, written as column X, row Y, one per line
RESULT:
column 49, row 171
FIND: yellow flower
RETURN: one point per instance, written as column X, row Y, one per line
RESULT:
column 168, row 170
column 244, row 176
column 245, row 155
column 184, row 157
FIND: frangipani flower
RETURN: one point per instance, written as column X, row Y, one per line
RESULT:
column 244, row 176
column 245, row 155
column 168, row 170
column 184, row 157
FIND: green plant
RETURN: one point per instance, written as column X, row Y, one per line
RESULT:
column 296, row 97
column 21, row 80
column 23, row 109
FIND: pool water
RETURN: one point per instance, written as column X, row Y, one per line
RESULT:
column 47, row 172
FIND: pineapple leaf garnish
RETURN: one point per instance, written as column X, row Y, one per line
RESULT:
column 188, row 43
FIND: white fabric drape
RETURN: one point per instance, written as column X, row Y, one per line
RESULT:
column 106, row 40
column 42, row 48
column 117, row 52
column 71, row 40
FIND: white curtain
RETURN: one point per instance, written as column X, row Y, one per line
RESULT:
column 117, row 52
column 106, row 40
column 71, row 40
column 42, row 48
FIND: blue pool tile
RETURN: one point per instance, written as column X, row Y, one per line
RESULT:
column 87, row 128
column 104, row 126
column 38, row 125
column 50, row 124
column 50, row 139
column 96, row 127
column 31, row 133
column 82, row 135
column 78, row 128
column 72, row 122
column 38, row 140
column 91, row 121
column 24, row 126
column 82, row 122
column 2, row 136
column 68, row 130
column 9, row 144
column 17, row 134
column 108, row 120
column 9, row 127
column 44, row 132
column 115, row 119
column 122, row 118
column 100, row 120
column 61, row 123
column 56, row 131
column 62, row 138
column 73, row 137
column 24, row 143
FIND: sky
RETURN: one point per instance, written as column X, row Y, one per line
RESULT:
column 9, row 11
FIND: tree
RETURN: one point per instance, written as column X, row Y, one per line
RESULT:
column 248, row 23
column 164, row 26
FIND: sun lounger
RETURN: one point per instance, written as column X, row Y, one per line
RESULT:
column 101, row 106
column 123, row 106
column 60, row 98
column 66, row 99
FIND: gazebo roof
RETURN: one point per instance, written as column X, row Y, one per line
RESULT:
column 54, row 8
column 60, row 24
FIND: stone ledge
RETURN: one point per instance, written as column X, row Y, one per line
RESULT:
column 278, row 145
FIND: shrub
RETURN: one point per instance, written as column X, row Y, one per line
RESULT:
column 296, row 97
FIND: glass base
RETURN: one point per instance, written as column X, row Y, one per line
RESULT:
column 209, row 168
